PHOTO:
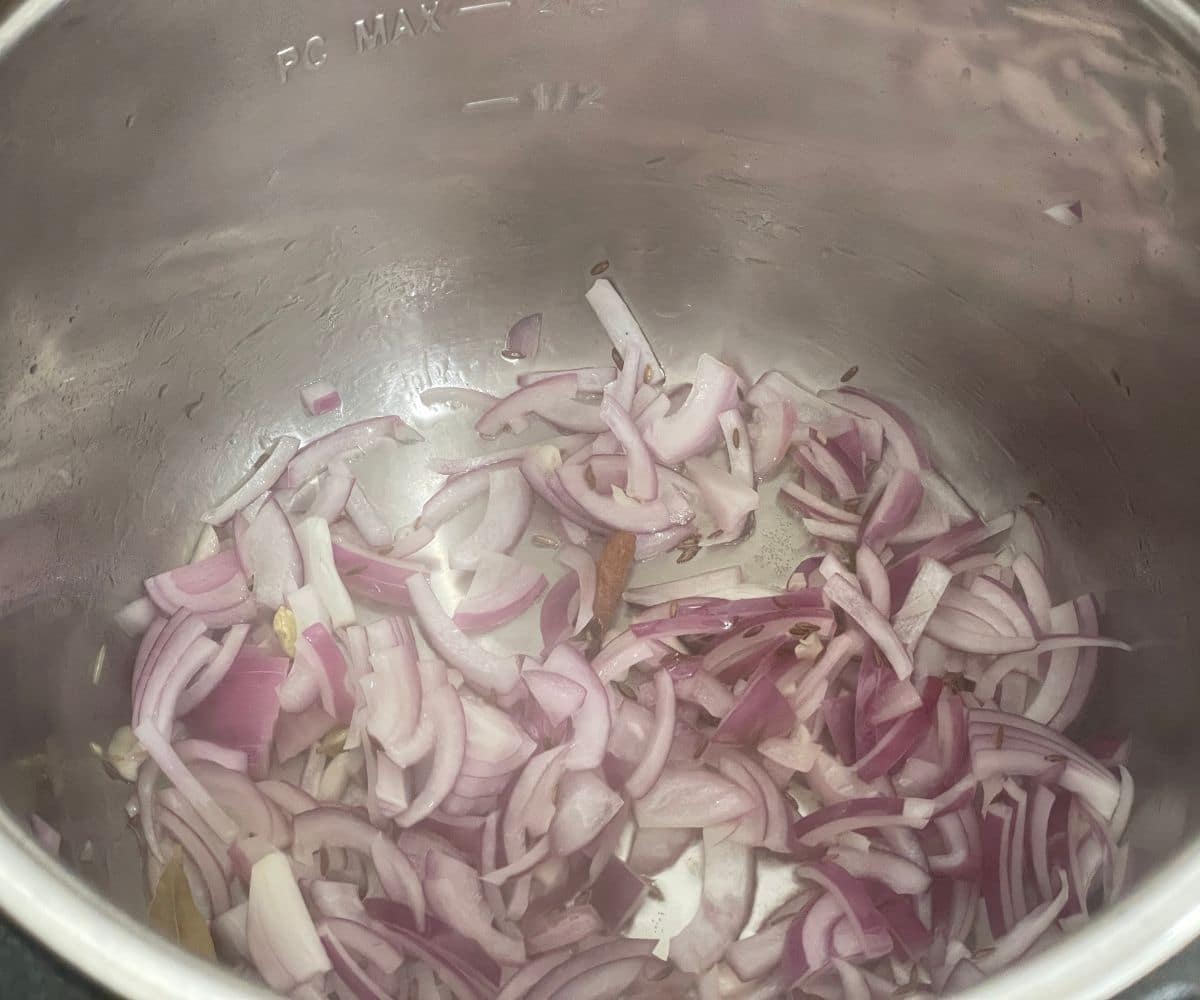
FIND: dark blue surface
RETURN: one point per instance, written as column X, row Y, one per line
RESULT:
column 29, row 972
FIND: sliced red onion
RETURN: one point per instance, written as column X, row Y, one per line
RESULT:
column 331, row 669
column 612, row 513
column 897, row 873
column 830, row 822
column 457, row 963
column 206, row 862
column 654, row 850
column 622, row 329
column 758, row 713
column 258, row 482
column 986, row 686
column 869, row 927
column 214, row 671
column 894, row 509
column 898, row 429
column 810, row 408
column 567, row 928
column 771, row 435
column 182, row 641
column 241, row 710
column 629, row 380
column 623, row 653
column 510, row 502
column 574, row 977
column 437, row 395
column 229, row 934
column 934, row 809
column 327, row 827
column 320, row 397
column 654, row 758
column 455, row 894
column 241, row 798
column 348, row 969
column 728, row 890
column 592, row 722
column 843, row 593
column 496, row 745
column 692, row 798
column 532, row 399
column 590, row 379
column 816, row 508
column 558, row 696
column 1020, row 747
column 375, row 577
column 282, row 940
column 315, row 456
column 573, row 415
column 393, row 696
column 958, row 602
column 924, row 594
column 642, row 482
column 751, row 829
column 584, row 807
column 830, row 467
column 485, row 670
column 321, row 570
column 901, row 737
column 454, row 496
column 753, row 957
column 501, row 590
column 540, row 467
column 948, row 628
column 555, row 621
column 450, row 750
column 370, row 524
column 269, row 554
column 524, row 339
column 542, row 772
column 212, row 585
column 694, row 427
column 728, row 500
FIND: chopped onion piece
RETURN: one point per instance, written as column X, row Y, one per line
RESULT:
column 486, row 670
column 282, row 940
column 524, row 339
column 258, row 482
column 320, row 397
column 621, row 327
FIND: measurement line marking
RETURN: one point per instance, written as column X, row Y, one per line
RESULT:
column 480, row 8
column 490, row 103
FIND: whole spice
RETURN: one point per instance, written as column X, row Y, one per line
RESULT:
column 174, row 914
column 612, row 574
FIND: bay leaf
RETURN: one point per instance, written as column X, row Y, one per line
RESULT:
column 174, row 914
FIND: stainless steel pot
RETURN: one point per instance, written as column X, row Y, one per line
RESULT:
column 204, row 202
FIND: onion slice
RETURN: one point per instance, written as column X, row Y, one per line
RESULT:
column 485, row 670
column 694, row 427
column 524, row 339
column 315, row 456
column 622, row 329
column 258, row 482
column 282, row 940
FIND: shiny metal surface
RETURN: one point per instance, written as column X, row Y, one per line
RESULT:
column 204, row 203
